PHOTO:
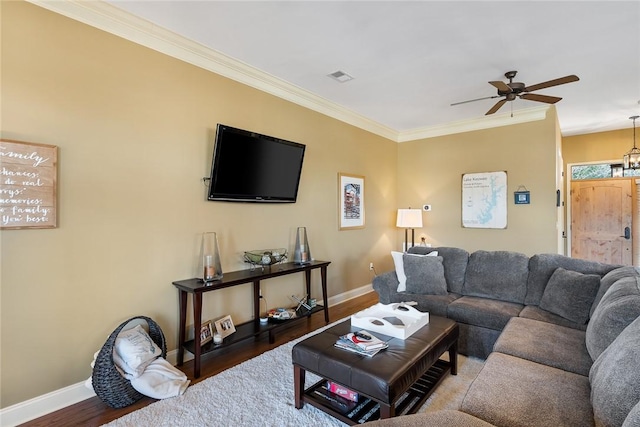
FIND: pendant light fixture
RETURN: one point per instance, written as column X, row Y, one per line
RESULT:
column 631, row 160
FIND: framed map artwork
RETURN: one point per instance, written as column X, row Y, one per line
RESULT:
column 484, row 200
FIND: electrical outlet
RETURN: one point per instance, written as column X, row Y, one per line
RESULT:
column 370, row 266
column 426, row 208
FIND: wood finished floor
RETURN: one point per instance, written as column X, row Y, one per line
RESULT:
column 93, row 412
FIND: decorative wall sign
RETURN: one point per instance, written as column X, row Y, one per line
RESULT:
column 522, row 196
column 28, row 187
column 484, row 200
column 351, row 201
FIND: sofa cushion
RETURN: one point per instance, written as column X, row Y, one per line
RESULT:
column 563, row 348
column 615, row 378
column 514, row 392
column 542, row 266
column 570, row 294
column 425, row 275
column 536, row 313
column 609, row 279
column 633, row 419
column 455, row 262
column 500, row 275
column 398, row 262
column 435, row 305
column 476, row 341
column 485, row 312
column 619, row 306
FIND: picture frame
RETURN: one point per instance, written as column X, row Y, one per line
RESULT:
column 29, row 185
column 484, row 200
column 351, row 198
column 206, row 333
column 225, row 326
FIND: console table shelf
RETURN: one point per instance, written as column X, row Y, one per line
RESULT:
column 249, row 329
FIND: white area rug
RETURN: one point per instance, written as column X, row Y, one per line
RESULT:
column 259, row 392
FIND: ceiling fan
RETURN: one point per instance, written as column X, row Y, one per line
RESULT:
column 512, row 90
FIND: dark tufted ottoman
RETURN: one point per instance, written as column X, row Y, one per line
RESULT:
column 394, row 381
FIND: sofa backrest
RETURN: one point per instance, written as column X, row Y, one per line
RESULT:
column 542, row 267
column 619, row 306
column 615, row 379
column 500, row 275
column 609, row 279
column 454, row 260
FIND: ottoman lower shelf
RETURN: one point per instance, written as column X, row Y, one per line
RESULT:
column 367, row 409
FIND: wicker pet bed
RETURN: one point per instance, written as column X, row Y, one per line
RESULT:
column 111, row 387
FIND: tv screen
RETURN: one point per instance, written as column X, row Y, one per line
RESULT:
column 250, row 167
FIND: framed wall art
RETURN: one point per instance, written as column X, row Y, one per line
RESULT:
column 28, row 187
column 484, row 200
column 350, row 201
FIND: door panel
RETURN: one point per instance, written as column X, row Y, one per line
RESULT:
column 600, row 212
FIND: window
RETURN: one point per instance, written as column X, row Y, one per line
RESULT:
column 596, row 171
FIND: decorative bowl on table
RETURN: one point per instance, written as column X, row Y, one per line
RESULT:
column 265, row 257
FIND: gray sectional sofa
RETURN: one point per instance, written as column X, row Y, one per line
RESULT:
column 561, row 336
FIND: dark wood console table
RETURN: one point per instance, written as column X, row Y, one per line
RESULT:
column 248, row 329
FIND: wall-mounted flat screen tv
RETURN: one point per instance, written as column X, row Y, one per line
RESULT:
column 250, row 167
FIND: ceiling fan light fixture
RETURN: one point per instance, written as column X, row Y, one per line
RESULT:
column 631, row 160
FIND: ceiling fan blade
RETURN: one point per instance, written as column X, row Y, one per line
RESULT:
column 496, row 107
column 540, row 98
column 501, row 86
column 554, row 82
column 474, row 100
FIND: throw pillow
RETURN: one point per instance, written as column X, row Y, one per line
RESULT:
column 425, row 275
column 569, row 294
column 399, row 265
column 136, row 349
column 615, row 378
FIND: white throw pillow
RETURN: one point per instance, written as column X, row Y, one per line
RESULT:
column 399, row 264
column 136, row 350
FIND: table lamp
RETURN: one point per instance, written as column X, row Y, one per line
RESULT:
column 409, row 219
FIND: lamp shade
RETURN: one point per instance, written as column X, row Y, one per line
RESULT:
column 409, row 218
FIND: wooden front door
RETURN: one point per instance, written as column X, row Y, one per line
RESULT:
column 601, row 219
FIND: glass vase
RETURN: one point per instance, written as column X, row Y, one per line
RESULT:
column 301, row 252
column 210, row 268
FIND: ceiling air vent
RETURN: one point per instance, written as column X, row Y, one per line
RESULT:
column 341, row 76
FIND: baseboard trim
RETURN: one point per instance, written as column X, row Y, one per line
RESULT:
column 47, row 403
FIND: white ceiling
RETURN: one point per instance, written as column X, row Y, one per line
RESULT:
column 411, row 59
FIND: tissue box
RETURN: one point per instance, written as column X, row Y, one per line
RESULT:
column 395, row 320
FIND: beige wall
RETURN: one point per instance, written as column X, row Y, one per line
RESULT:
column 430, row 172
column 135, row 134
column 598, row 146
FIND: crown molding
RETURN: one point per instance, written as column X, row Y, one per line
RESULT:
column 109, row 18
column 485, row 122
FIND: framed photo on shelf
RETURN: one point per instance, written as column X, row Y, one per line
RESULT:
column 224, row 326
column 206, row 333
column 350, row 201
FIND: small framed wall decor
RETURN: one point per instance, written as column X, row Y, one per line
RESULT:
column 522, row 196
column 206, row 333
column 224, row 326
column 350, row 201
